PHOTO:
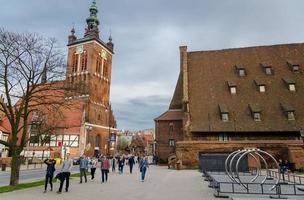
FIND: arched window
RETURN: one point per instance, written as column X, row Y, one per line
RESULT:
column 84, row 61
column 75, row 63
column 97, row 141
column 105, row 69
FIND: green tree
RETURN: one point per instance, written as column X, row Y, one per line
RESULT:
column 122, row 144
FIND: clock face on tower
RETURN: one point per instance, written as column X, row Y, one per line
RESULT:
column 104, row 54
column 79, row 49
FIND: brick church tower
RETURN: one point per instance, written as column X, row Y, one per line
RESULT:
column 89, row 66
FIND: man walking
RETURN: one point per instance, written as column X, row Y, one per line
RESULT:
column 65, row 172
column 105, row 166
column 131, row 163
column 83, row 166
column 49, row 173
column 113, row 164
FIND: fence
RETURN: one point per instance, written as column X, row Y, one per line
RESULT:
column 292, row 178
column 222, row 188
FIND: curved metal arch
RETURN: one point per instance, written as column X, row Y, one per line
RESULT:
column 226, row 163
column 231, row 162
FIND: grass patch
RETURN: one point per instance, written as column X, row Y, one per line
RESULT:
column 23, row 186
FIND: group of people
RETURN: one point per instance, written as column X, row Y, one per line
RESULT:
column 86, row 163
column 285, row 167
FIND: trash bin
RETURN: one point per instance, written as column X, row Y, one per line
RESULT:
column 3, row 167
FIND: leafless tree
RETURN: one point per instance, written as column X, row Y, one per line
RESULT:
column 30, row 67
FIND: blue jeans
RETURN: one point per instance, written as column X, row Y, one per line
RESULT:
column 143, row 173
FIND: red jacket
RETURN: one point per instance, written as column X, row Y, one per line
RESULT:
column 105, row 164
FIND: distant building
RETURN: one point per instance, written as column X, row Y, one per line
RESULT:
column 230, row 99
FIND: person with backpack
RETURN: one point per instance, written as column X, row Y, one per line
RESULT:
column 143, row 165
column 50, row 169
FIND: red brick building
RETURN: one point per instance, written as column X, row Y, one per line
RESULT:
column 236, row 98
column 89, row 122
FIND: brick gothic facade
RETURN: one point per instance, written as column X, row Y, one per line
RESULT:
column 89, row 122
column 236, row 98
column 89, row 67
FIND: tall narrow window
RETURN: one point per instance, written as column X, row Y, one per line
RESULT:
column 75, row 63
column 105, row 69
column 97, row 65
column 171, row 127
column 84, row 61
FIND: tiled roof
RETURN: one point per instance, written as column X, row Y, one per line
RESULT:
column 209, row 71
column 176, row 102
column 170, row 115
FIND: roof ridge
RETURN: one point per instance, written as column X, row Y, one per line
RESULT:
column 246, row 47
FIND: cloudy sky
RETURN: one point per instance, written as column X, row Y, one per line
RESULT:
column 147, row 34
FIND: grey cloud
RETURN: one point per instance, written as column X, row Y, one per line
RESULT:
column 147, row 35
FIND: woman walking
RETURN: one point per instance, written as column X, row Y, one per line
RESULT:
column 105, row 166
column 93, row 167
column 49, row 173
column 143, row 165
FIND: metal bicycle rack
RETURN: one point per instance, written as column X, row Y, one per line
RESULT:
column 234, row 180
column 240, row 154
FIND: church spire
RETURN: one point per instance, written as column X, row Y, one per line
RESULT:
column 92, row 22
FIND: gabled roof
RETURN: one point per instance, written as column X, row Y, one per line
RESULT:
column 171, row 115
column 177, row 100
column 209, row 71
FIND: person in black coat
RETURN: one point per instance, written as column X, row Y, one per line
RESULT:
column 50, row 169
column 131, row 163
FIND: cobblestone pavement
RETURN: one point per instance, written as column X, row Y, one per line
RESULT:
column 161, row 184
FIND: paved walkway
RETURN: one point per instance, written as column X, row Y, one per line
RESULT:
column 161, row 184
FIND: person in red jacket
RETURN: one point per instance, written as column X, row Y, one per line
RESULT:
column 105, row 166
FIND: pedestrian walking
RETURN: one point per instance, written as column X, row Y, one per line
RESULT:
column 50, row 169
column 113, row 163
column 83, row 167
column 93, row 167
column 65, row 172
column 105, row 166
column 131, row 163
column 121, row 163
column 143, row 167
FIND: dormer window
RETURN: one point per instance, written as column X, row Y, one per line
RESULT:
column 232, row 87
column 255, row 112
column 260, row 86
column 240, row 70
column 267, row 69
column 288, row 111
column 224, row 112
column 290, row 83
column 294, row 67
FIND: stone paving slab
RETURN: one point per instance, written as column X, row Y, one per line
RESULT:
column 161, row 184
